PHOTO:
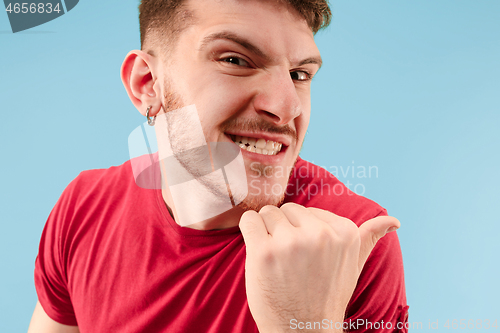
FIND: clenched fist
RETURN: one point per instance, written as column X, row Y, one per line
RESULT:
column 304, row 263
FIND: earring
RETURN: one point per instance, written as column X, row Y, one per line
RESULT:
column 151, row 121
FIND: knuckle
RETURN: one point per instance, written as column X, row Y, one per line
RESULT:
column 267, row 208
column 267, row 257
column 346, row 222
column 248, row 221
column 324, row 236
column 347, row 227
column 247, row 226
column 290, row 206
column 271, row 212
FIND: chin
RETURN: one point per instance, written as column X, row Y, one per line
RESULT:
column 262, row 194
column 257, row 203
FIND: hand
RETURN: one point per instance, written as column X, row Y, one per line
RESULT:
column 304, row 263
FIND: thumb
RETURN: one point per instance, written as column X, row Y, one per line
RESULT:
column 371, row 231
column 252, row 228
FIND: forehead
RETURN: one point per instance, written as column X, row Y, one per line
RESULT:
column 277, row 28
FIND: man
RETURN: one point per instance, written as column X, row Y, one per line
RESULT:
column 114, row 257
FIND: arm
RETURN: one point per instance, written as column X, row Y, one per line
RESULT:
column 42, row 323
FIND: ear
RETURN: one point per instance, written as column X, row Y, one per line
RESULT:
column 140, row 80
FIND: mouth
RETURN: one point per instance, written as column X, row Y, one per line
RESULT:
column 258, row 145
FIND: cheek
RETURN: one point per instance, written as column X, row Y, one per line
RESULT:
column 219, row 98
column 302, row 122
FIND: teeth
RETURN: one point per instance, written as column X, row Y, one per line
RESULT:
column 261, row 143
column 259, row 146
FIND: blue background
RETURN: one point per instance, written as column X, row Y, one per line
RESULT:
column 411, row 87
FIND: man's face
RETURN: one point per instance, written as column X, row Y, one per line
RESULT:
column 247, row 66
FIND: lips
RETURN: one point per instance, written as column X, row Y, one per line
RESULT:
column 257, row 145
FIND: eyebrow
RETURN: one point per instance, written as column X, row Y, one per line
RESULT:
column 249, row 46
column 312, row 60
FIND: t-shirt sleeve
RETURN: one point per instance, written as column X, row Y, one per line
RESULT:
column 378, row 303
column 50, row 265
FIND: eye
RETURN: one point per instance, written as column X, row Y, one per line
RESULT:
column 300, row 76
column 236, row 61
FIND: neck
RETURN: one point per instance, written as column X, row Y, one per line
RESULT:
column 228, row 219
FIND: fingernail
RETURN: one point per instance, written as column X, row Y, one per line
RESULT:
column 391, row 229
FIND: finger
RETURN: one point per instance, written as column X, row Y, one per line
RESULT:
column 253, row 229
column 275, row 220
column 298, row 215
column 340, row 224
column 324, row 215
column 371, row 231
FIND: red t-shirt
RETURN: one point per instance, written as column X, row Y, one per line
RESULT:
column 112, row 259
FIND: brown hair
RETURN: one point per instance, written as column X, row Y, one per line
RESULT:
column 167, row 18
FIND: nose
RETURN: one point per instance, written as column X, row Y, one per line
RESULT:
column 277, row 100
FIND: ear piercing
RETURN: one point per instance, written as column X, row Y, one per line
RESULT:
column 151, row 121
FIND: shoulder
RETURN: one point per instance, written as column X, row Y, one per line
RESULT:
column 91, row 182
column 380, row 292
column 98, row 192
column 313, row 186
column 134, row 175
column 94, row 201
